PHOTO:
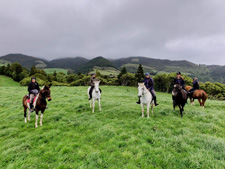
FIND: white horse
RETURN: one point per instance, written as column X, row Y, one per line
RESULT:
column 145, row 98
column 96, row 95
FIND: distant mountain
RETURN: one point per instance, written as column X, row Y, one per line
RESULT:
column 212, row 73
column 68, row 63
column 98, row 61
column 25, row 61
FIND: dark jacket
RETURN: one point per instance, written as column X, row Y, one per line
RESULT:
column 195, row 85
column 92, row 80
column 149, row 83
column 180, row 82
column 33, row 86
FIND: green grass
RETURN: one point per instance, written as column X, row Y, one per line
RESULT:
column 7, row 82
column 51, row 70
column 106, row 70
column 117, row 137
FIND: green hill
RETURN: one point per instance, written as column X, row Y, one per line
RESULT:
column 6, row 81
column 68, row 63
column 98, row 61
column 24, row 60
column 52, row 70
column 213, row 73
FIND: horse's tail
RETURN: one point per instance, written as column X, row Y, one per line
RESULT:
column 204, row 96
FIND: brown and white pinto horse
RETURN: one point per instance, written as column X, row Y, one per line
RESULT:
column 40, row 104
column 201, row 95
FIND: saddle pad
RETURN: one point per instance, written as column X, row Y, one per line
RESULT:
column 28, row 101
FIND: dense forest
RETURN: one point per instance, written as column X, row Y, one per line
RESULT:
column 163, row 81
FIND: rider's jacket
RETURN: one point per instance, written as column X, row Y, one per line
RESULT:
column 195, row 85
column 180, row 82
column 33, row 86
column 92, row 80
column 149, row 83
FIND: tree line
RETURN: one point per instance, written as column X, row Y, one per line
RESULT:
column 163, row 82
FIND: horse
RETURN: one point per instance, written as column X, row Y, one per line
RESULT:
column 199, row 94
column 96, row 95
column 39, row 104
column 145, row 98
column 180, row 98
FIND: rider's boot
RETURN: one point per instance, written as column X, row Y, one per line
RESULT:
column 139, row 101
column 155, row 102
column 31, row 107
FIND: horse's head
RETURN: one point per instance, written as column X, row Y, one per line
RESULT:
column 96, row 84
column 46, row 92
column 141, row 88
column 176, row 89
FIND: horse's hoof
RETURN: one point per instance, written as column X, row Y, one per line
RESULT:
column 40, row 124
column 148, row 117
column 25, row 121
column 36, row 126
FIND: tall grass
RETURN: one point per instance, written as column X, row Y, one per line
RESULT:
column 116, row 137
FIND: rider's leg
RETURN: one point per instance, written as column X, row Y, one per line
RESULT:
column 31, row 101
column 90, row 92
column 154, row 97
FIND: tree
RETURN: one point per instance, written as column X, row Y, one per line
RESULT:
column 33, row 70
column 128, row 79
column 98, row 74
column 140, row 73
column 122, row 72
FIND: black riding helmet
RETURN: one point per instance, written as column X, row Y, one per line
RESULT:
column 33, row 78
column 178, row 73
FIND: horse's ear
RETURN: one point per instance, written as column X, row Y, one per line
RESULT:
column 49, row 85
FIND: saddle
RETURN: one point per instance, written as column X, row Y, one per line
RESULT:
column 28, row 101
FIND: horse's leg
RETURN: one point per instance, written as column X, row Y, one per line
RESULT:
column 99, row 104
column 90, row 103
column 203, row 103
column 181, row 108
column 93, row 105
column 148, row 107
column 36, row 122
column 25, row 114
column 42, row 114
column 142, row 110
column 152, row 106
column 199, row 100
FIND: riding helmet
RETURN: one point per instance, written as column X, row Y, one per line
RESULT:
column 147, row 74
column 93, row 74
column 178, row 73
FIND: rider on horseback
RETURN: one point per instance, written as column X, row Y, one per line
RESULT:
column 179, row 80
column 149, row 84
column 195, row 86
column 33, row 89
column 93, row 78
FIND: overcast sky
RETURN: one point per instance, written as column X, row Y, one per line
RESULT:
column 193, row 30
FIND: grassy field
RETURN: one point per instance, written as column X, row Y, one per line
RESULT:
column 106, row 70
column 51, row 70
column 116, row 137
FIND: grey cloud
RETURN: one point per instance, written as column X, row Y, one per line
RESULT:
column 167, row 29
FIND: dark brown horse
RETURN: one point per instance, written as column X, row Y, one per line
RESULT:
column 39, row 104
column 179, row 98
column 201, row 95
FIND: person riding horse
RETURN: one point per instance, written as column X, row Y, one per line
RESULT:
column 180, row 81
column 149, row 84
column 195, row 86
column 93, row 78
column 33, row 89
